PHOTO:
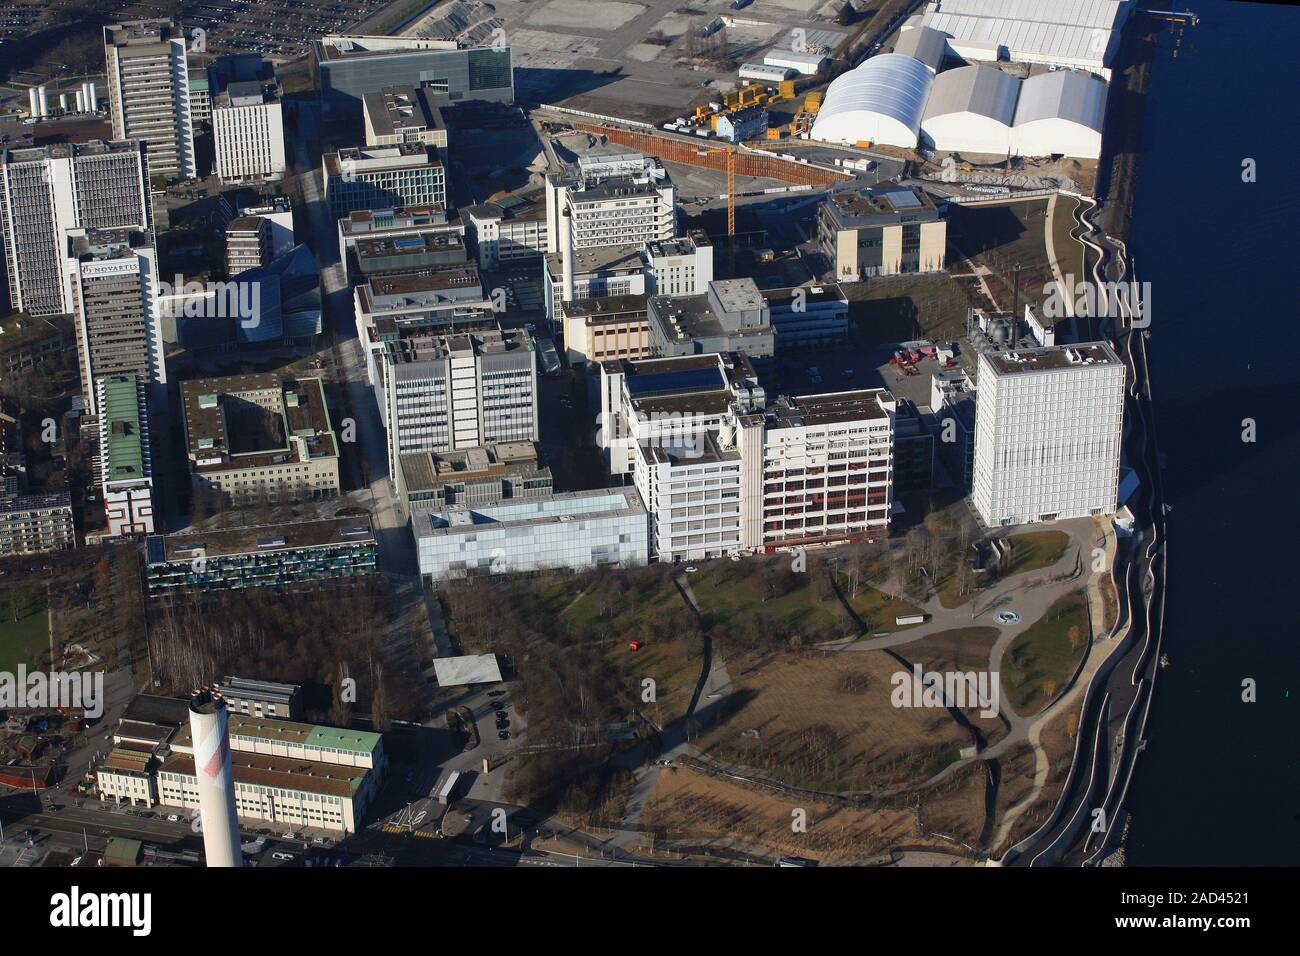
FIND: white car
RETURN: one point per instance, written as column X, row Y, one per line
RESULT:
column 691, row 569
column 173, row 818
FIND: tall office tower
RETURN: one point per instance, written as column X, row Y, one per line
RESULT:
column 1048, row 425
column 149, row 92
column 110, row 278
column 46, row 191
column 216, row 780
column 248, row 132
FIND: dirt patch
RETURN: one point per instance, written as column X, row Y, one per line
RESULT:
column 693, row 807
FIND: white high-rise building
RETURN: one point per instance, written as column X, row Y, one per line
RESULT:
column 1048, row 427
column 619, row 201
column 450, row 392
column 149, row 93
column 46, row 191
column 248, row 133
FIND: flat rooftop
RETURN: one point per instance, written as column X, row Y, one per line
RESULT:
column 1053, row 358
column 598, row 259
column 517, row 513
column 397, row 109
column 260, row 539
column 230, row 424
column 865, row 206
column 830, row 408
column 469, row 669
column 606, row 307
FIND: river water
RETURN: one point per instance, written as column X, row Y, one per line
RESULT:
column 1220, row 780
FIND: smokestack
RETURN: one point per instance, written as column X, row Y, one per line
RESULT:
column 92, row 100
column 33, row 102
column 208, row 727
column 44, row 97
column 566, row 254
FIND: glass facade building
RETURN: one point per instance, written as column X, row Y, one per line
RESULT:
column 579, row 530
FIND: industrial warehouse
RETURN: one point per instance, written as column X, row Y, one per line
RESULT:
column 904, row 99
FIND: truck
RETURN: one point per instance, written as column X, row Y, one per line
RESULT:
column 447, row 792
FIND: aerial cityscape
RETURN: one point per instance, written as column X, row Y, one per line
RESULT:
column 659, row 434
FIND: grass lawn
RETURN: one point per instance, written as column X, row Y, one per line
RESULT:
column 23, row 640
column 877, row 610
column 1041, row 660
column 728, row 590
column 1035, row 550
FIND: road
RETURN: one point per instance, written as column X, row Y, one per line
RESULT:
column 1088, row 821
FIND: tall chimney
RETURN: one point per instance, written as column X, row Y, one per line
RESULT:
column 566, row 253
column 208, row 727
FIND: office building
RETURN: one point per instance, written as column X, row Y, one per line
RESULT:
column 248, row 244
column 278, row 212
column 732, row 316
column 149, row 94
column 348, row 67
column 126, row 460
column 508, row 232
column 254, row 438
column 1048, row 428
column 579, row 530
column 397, row 226
column 881, row 231
column 28, row 341
column 404, row 114
column 450, row 299
column 200, row 98
column 807, row 316
column 675, row 267
column 261, row 698
column 30, row 524
column 285, row 555
column 46, row 191
column 606, row 328
column 433, row 251
column 610, row 201
column 474, row 476
column 111, row 280
column 452, row 392
column 952, row 397
column 596, row 272
column 383, row 177
column 818, row 469
column 248, row 132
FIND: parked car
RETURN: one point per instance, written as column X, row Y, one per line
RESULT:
column 503, row 735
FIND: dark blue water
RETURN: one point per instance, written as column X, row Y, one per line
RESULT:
column 1220, row 781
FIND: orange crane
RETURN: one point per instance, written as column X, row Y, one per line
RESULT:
column 731, row 210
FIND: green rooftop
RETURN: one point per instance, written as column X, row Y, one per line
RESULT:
column 123, row 453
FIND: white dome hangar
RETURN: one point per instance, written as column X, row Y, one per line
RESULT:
column 971, row 108
column 882, row 101
column 1060, row 112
